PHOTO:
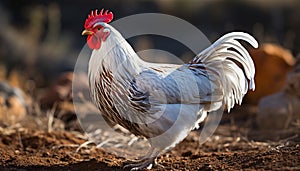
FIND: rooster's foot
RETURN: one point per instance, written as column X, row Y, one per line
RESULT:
column 142, row 164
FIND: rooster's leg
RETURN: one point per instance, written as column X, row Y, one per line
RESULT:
column 147, row 161
column 148, row 155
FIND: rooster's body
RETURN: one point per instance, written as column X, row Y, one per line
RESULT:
column 164, row 102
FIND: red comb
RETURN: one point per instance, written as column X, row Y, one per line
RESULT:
column 94, row 17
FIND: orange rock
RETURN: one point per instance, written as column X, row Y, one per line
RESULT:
column 272, row 64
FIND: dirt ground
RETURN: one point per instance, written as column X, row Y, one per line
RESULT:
column 234, row 146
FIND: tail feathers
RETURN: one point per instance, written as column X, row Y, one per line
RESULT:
column 221, row 60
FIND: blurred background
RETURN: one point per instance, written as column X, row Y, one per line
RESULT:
column 40, row 40
column 46, row 35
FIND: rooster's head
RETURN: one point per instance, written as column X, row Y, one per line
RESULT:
column 94, row 28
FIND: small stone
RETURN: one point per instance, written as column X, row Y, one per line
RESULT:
column 279, row 110
column 13, row 107
column 275, row 111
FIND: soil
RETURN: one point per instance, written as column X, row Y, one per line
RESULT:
column 236, row 145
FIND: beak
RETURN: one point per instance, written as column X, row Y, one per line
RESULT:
column 87, row 32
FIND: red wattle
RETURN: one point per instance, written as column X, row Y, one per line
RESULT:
column 93, row 42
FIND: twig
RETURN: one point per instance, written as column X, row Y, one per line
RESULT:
column 133, row 140
column 65, row 145
column 289, row 116
column 50, row 115
column 84, row 145
column 104, row 142
column 289, row 138
column 20, row 140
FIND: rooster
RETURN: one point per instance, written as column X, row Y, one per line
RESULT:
column 148, row 99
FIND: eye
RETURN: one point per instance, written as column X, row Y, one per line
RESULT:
column 99, row 28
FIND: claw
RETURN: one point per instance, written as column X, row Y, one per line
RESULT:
column 143, row 164
column 146, row 162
